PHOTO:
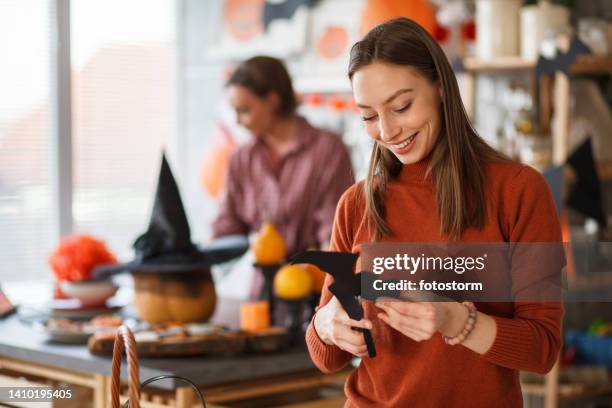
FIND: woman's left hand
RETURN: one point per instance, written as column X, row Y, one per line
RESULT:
column 421, row 320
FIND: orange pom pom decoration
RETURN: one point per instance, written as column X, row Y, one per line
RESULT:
column 77, row 255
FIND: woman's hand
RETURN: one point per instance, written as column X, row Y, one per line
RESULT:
column 421, row 320
column 335, row 327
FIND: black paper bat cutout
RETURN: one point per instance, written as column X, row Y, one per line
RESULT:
column 285, row 9
column 346, row 286
column 562, row 61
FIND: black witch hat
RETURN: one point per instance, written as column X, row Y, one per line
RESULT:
column 167, row 246
column 585, row 194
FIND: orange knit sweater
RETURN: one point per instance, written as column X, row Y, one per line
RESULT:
column 406, row 373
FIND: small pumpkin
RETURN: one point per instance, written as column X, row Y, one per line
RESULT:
column 318, row 277
column 292, row 282
column 269, row 247
column 174, row 297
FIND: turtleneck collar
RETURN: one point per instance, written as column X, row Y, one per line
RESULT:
column 415, row 172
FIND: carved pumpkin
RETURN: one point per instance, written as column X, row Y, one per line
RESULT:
column 174, row 297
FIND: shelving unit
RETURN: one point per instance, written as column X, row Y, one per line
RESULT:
column 499, row 64
column 554, row 91
column 554, row 95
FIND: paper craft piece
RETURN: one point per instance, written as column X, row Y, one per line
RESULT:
column 346, row 286
column 275, row 10
column 585, row 193
column 562, row 61
column 554, row 178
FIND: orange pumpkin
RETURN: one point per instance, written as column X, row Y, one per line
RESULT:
column 318, row 277
column 269, row 247
column 174, row 297
column 292, row 282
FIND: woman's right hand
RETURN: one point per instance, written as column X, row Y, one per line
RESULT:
column 335, row 327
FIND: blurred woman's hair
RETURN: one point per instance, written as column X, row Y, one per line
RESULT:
column 262, row 75
column 457, row 161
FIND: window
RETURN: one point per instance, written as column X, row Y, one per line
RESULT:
column 123, row 112
column 25, row 193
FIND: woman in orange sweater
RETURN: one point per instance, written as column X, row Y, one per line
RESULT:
column 433, row 179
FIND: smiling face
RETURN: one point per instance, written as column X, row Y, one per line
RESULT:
column 400, row 108
column 255, row 113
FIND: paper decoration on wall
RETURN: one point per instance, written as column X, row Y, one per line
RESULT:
column 323, row 65
column 585, row 194
column 216, row 162
column 377, row 11
column 251, row 27
column 283, row 9
column 346, row 286
column 332, row 42
column 243, row 18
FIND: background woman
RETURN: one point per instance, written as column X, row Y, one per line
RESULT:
column 290, row 173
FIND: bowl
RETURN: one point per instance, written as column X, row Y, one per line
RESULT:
column 90, row 293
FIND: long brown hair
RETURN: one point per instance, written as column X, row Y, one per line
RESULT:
column 458, row 159
column 262, row 75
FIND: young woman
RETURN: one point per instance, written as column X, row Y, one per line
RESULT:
column 290, row 173
column 433, row 179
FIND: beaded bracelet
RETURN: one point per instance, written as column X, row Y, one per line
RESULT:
column 467, row 329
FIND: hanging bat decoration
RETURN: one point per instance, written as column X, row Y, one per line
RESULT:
column 283, row 10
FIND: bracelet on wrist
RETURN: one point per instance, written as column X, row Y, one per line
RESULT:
column 467, row 328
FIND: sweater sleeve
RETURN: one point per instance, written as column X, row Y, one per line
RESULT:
column 531, row 339
column 326, row 357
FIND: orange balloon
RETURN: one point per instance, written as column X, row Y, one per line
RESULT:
column 215, row 165
column 379, row 11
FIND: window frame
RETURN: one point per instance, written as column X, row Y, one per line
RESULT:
column 61, row 143
column 61, row 171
